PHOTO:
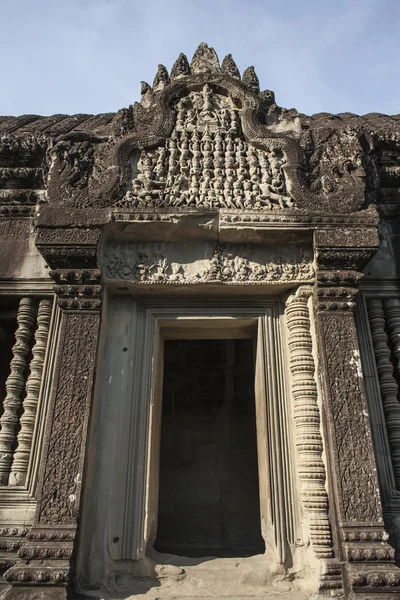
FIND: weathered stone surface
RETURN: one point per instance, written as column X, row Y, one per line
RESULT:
column 208, row 186
column 187, row 264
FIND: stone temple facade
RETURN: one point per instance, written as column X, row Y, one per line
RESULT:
column 200, row 359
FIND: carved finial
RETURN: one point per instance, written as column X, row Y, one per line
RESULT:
column 144, row 88
column 181, row 67
column 267, row 97
column 204, row 60
column 229, row 67
column 250, row 80
column 161, row 79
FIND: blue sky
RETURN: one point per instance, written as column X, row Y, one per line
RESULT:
column 89, row 56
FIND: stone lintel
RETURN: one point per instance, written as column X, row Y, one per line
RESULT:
column 67, row 216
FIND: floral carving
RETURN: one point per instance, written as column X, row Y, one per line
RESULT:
column 157, row 262
column 63, row 469
column 356, row 473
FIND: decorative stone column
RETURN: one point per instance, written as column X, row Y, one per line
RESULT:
column 26, row 318
column 20, row 464
column 367, row 559
column 46, row 561
column 307, row 419
column 388, row 384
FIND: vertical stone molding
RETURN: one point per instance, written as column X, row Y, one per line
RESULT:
column 392, row 312
column 26, row 318
column 384, row 365
column 368, row 566
column 59, row 503
column 46, row 559
column 359, row 500
column 309, row 444
column 369, row 560
column 21, row 458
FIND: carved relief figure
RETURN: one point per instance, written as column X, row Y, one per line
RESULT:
column 339, row 169
column 159, row 262
column 207, row 164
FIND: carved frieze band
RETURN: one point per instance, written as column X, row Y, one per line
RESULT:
column 384, row 320
column 26, row 318
column 77, row 289
column 21, row 458
column 348, row 420
column 307, row 419
column 207, row 262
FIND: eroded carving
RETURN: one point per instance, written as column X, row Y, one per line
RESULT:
column 180, row 68
column 63, row 469
column 71, row 165
column 204, row 60
column 164, row 262
column 206, row 163
column 356, row 472
column 339, row 170
column 77, row 289
column 45, row 558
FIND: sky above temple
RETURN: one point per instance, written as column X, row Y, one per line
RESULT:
column 89, row 56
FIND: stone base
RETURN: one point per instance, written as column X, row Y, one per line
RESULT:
column 35, row 593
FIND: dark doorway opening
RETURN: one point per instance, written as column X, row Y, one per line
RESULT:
column 209, row 489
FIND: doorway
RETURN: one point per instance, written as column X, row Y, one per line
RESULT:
column 124, row 526
column 209, row 501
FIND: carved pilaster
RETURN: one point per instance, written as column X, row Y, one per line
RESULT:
column 359, row 500
column 369, row 567
column 309, row 444
column 15, row 383
column 388, row 384
column 21, row 457
column 47, row 559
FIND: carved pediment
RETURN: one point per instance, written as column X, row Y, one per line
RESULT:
column 204, row 137
column 207, row 163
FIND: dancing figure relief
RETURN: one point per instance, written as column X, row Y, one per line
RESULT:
column 206, row 163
